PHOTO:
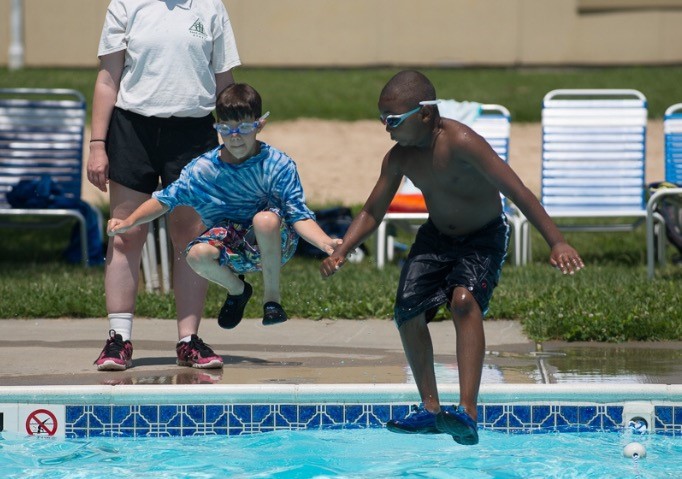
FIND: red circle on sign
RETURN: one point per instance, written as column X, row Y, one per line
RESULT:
column 41, row 421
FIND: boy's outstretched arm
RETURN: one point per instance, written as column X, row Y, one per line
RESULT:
column 310, row 231
column 562, row 256
column 146, row 212
column 368, row 220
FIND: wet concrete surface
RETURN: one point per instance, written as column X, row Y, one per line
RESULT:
column 634, row 362
column 62, row 351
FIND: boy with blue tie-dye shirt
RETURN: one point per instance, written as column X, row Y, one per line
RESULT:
column 250, row 198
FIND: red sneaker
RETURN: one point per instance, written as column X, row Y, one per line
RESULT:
column 197, row 354
column 117, row 354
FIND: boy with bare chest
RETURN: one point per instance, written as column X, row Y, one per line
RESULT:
column 451, row 185
column 458, row 253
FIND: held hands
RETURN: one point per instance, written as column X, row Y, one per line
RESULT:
column 330, row 245
column 117, row 226
column 330, row 265
column 566, row 259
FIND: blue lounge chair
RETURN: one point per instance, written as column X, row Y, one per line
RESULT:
column 41, row 134
column 593, row 158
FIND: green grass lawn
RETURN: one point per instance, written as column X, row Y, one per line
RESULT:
column 610, row 300
column 352, row 94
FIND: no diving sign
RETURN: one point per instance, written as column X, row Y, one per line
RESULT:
column 41, row 422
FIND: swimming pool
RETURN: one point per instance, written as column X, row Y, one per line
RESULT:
column 364, row 453
column 332, row 431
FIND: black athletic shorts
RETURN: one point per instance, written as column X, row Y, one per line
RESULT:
column 438, row 263
column 143, row 149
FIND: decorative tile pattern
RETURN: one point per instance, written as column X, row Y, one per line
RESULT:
column 236, row 419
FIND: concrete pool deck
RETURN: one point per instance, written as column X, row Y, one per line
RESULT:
column 37, row 352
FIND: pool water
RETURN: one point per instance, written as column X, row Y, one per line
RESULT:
column 354, row 453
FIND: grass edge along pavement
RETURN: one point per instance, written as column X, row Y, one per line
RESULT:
column 610, row 300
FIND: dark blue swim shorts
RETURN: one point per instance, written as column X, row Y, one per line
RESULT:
column 437, row 264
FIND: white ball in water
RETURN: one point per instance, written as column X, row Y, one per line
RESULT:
column 634, row 449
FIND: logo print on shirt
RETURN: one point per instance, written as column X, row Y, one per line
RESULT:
column 197, row 29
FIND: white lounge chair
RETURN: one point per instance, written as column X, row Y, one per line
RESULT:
column 593, row 157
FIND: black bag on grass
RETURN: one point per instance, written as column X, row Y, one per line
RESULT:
column 670, row 208
column 333, row 221
column 44, row 193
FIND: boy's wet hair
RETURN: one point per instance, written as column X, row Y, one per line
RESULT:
column 411, row 86
column 237, row 102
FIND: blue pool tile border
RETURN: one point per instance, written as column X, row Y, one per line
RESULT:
column 228, row 410
column 237, row 419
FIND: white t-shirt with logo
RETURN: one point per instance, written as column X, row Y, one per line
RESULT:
column 173, row 48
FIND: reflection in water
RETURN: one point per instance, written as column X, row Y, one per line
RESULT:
column 615, row 364
column 448, row 374
column 550, row 363
column 186, row 376
column 561, row 363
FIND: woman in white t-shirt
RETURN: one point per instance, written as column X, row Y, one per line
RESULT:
column 162, row 64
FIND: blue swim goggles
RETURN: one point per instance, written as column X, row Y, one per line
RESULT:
column 393, row 121
column 242, row 129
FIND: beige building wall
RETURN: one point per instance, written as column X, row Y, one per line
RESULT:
column 63, row 32
column 323, row 33
column 4, row 31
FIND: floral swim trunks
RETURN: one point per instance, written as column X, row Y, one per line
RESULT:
column 237, row 244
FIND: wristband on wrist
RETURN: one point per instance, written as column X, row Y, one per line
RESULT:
column 98, row 139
